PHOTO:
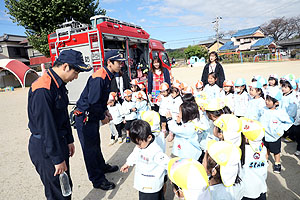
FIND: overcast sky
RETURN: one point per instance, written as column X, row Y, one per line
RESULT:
column 183, row 22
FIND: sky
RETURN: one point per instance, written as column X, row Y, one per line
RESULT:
column 184, row 22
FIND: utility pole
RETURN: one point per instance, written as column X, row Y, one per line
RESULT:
column 216, row 27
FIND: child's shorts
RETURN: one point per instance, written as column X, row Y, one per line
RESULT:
column 152, row 196
column 274, row 147
column 128, row 124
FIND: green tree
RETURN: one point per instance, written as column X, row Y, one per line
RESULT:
column 196, row 50
column 41, row 17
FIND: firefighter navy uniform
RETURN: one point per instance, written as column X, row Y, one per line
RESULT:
column 92, row 105
column 51, row 131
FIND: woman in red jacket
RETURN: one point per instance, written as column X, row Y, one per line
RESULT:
column 156, row 76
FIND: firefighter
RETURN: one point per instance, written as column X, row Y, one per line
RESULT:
column 51, row 141
column 91, row 108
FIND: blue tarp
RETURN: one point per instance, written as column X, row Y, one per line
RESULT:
column 228, row 46
column 244, row 32
column 263, row 42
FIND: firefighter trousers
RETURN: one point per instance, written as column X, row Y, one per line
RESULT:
column 89, row 136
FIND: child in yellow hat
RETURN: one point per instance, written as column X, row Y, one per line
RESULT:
column 222, row 164
column 149, row 160
column 254, row 160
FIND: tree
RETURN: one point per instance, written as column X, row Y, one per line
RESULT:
column 199, row 51
column 41, row 17
column 282, row 28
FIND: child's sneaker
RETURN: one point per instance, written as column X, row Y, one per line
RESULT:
column 127, row 139
column 297, row 153
column 277, row 169
column 120, row 140
column 112, row 141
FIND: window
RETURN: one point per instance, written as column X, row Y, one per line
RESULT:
column 165, row 58
column 1, row 50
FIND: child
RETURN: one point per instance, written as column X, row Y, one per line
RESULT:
column 151, row 163
column 275, row 121
column 129, row 109
column 134, row 89
column 116, row 111
column 153, row 119
column 189, row 179
column 289, row 104
column 257, row 103
column 176, row 100
column 241, row 98
column 254, row 160
column 199, row 89
column 212, row 90
column 141, row 103
column 186, row 143
column 164, row 101
column 228, row 91
column 228, row 128
column 273, row 80
column 222, row 164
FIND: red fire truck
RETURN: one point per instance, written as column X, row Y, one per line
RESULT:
column 104, row 34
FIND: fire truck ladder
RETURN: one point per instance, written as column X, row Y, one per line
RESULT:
column 94, row 42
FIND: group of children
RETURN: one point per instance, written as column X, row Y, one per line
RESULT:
column 223, row 135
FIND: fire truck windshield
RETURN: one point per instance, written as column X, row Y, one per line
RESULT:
column 164, row 57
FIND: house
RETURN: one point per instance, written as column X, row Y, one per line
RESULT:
column 11, row 48
column 289, row 45
column 244, row 39
column 212, row 44
column 35, row 57
column 266, row 43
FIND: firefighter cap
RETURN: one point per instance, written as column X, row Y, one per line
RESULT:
column 74, row 58
column 113, row 55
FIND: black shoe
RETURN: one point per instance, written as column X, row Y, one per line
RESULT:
column 277, row 169
column 105, row 185
column 111, row 169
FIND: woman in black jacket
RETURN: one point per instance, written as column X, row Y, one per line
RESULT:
column 213, row 65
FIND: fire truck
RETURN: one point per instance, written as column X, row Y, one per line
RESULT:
column 106, row 33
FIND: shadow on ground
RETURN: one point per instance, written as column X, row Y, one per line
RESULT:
column 118, row 177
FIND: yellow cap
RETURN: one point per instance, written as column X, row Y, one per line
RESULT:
column 228, row 156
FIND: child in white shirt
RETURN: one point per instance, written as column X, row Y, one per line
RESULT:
column 184, row 127
column 227, row 94
column 164, row 100
column 254, row 160
column 199, row 89
column 151, row 163
column 241, row 98
column 141, row 103
column 212, row 90
column 134, row 88
column 257, row 103
column 130, row 111
column 275, row 121
column 116, row 111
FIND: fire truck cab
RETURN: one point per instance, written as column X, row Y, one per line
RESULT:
column 106, row 33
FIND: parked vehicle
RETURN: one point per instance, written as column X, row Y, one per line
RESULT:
column 107, row 33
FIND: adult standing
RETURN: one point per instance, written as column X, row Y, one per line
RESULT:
column 213, row 65
column 51, row 141
column 156, row 76
column 91, row 108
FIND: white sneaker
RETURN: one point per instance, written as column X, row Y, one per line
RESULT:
column 297, row 153
column 112, row 141
column 120, row 140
